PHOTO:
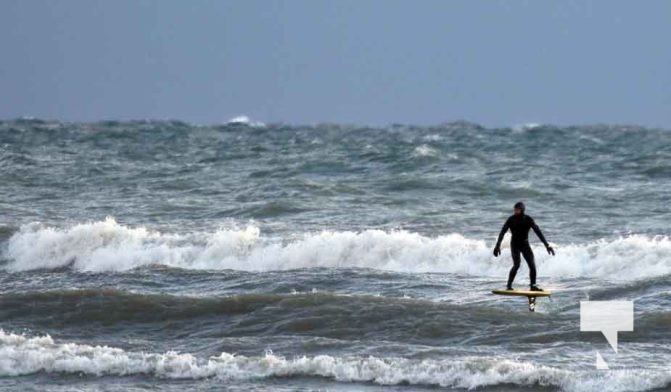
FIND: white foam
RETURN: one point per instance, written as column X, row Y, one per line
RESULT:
column 434, row 137
column 424, row 150
column 109, row 246
column 245, row 120
column 526, row 126
column 21, row 355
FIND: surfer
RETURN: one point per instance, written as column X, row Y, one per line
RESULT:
column 519, row 225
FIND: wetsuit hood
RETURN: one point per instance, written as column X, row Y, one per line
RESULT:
column 520, row 205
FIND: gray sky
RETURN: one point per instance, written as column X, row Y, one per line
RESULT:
column 347, row 61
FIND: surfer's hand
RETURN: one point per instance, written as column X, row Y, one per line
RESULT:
column 550, row 250
column 497, row 251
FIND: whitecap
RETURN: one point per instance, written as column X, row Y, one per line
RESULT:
column 109, row 246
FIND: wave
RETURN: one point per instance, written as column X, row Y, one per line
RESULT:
column 21, row 355
column 245, row 120
column 322, row 314
column 81, row 305
column 330, row 315
column 424, row 150
column 109, row 246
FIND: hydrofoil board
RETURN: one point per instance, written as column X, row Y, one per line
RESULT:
column 524, row 293
column 531, row 295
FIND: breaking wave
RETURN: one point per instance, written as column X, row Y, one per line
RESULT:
column 109, row 246
column 21, row 355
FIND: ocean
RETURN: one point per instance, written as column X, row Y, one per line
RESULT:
column 167, row 256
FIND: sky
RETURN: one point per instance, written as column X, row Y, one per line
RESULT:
column 367, row 62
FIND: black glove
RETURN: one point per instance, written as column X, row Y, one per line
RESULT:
column 497, row 251
column 550, row 250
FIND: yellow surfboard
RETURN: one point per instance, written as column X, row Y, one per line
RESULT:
column 531, row 295
column 524, row 293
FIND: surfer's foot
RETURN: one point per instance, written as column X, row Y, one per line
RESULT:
column 535, row 288
column 510, row 288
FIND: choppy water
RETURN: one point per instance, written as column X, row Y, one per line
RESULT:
column 164, row 256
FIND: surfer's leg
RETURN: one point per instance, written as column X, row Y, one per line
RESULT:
column 529, row 257
column 515, row 252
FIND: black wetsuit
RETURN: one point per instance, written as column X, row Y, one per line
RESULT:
column 519, row 226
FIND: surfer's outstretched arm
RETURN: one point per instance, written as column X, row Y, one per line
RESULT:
column 540, row 235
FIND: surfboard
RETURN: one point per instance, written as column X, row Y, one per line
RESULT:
column 531, row 295
column 524, row 293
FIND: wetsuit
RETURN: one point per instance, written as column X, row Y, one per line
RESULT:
column 519, row 226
